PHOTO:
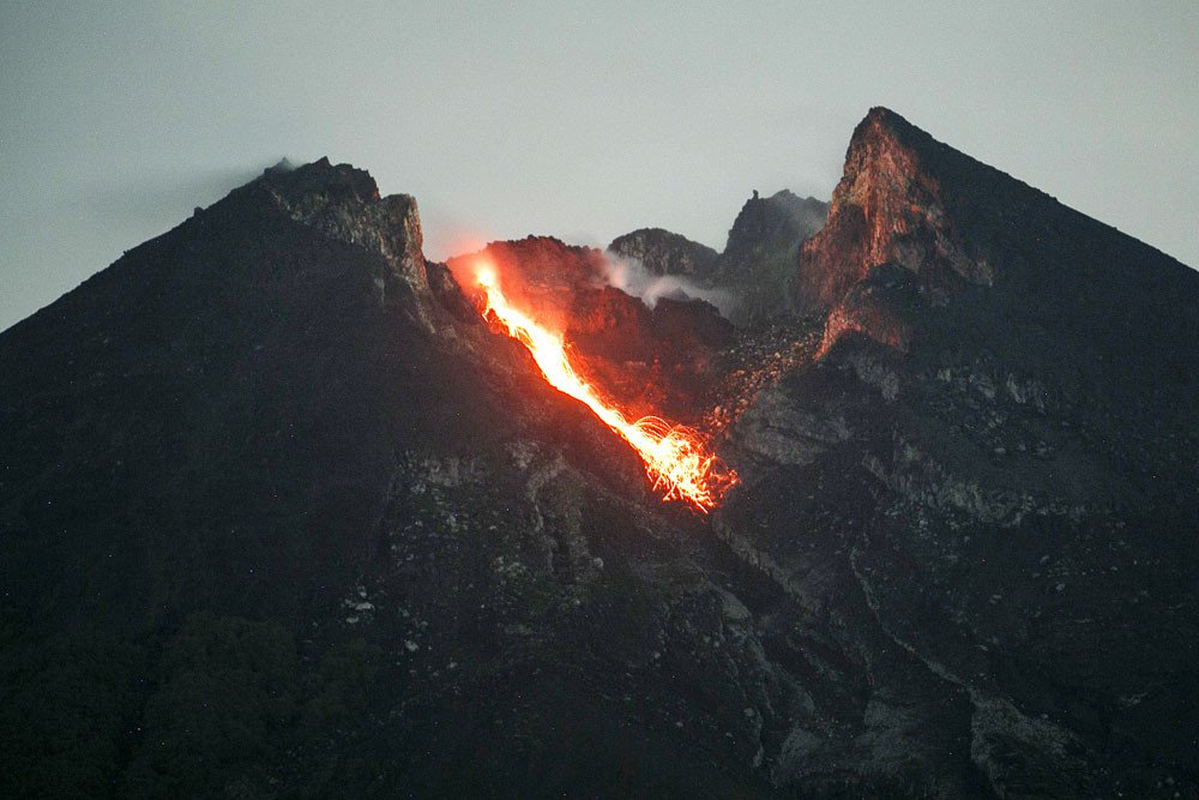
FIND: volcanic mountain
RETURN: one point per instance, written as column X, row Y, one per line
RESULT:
column 283, row 514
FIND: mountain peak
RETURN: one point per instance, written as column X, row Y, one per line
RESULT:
column 885, row 141
column 343, row 202
column 257, row 491
column 883, row 117
column 883, row 124
column 321, row 177
column 283, row 165
column 892, row 205
column 969, row 236
column 663, row 252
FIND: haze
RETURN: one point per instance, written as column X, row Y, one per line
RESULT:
column 582, row 120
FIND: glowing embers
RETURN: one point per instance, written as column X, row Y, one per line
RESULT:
column 677, row 458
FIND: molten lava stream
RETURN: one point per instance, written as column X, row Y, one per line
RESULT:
column 676, row 457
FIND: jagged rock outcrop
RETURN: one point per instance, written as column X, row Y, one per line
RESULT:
column 879, row 305
column 665, row 253
column 343, row 203
column 764, row 227
column 758, row 262
column 960, row 226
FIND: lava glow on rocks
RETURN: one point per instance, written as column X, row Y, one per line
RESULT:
column 676, row 457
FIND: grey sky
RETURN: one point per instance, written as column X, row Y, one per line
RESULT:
column 584, row 120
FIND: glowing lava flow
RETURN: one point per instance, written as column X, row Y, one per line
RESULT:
column 676, row 457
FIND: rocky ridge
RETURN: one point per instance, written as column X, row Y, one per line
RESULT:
column 756, row 268
column 665, row 253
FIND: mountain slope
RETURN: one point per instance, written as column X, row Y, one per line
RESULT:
column 992, row 460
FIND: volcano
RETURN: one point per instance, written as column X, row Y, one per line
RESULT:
column 288, row 509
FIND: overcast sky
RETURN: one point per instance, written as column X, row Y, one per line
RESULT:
column 583, row 120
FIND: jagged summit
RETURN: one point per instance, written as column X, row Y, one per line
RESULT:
column 880, row 120
column 282, row 165
column 322, row 177
column 757, row 266
column 889, row 205
column 783, row 215
column 758, row 262
column 960, row 225
column 909, row 198
column 883, row 132
column 343, row 201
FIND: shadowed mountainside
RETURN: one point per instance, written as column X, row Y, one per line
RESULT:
column 279, row 518
column 991, row 461
column 280, row 515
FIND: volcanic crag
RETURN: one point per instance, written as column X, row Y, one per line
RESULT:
column 282, row 515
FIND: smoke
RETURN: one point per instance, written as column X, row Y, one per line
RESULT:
column 630, row 276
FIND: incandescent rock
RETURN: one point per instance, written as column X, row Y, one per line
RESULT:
column 653, row 360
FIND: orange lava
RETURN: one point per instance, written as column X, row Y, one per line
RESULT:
column 676, row 457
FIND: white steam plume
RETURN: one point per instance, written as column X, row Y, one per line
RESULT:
column 630, row 276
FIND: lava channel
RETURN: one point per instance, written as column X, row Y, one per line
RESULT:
column 677, row 458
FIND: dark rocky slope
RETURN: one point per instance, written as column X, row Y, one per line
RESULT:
column 279, row 516
column 277, row 521
column 992, row 464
